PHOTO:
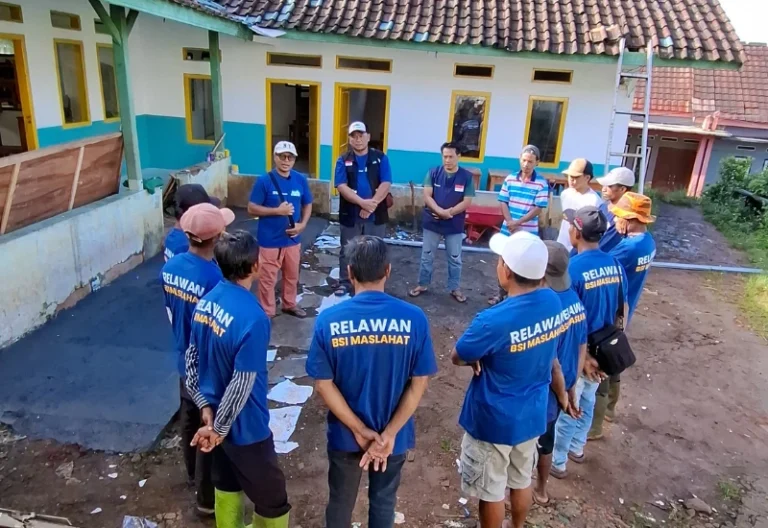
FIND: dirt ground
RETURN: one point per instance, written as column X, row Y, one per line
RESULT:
column 693, row 420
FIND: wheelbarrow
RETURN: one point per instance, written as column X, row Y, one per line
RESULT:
column 479, row 219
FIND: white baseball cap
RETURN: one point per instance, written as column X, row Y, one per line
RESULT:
column 285, row 146
column 523, row 252
column 357, row 126
column 618, row 176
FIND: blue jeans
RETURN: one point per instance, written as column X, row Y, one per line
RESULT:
column 344, row 474
column 430, row 241
column 570, row 434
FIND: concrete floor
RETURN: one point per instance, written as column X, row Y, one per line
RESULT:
column 102, row 374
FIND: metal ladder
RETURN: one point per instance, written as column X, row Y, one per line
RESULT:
column 646, row 76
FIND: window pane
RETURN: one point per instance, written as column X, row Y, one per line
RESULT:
column 469, row 113
column 201, row 106
column 544, row 131
column 108, row 82
column 72, row 82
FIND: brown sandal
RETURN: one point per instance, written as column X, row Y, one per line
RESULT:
column 418, row 290
column 460, row 297
column 295, row 311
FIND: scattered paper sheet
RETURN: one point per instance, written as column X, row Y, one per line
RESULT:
column 282, row 448
column 331, row 300
column 271, row 353
column 334, row 274
column 290, row 393
column 95, row 511
column 282, row 422
column 327, row 242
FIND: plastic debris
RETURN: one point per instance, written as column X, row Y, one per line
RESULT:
column 96, row 510
column 446, row 507
column 271, row 353
column 112, row 475
column 462, row 501
column 142, row 482
column 621, row 501
column 65, row 470
column 129, row 521
column 334, row 274
column 123, row 497
column 399, row 518
column 112, row 466
column 282, row 448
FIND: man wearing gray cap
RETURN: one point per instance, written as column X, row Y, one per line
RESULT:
column 617, row 182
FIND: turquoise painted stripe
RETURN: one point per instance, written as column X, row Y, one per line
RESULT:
column 245, row 142
column 56, row 135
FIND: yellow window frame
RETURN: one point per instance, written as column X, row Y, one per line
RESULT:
column 533, row 76
column 74, row 18
column 457, row 65
column 271, row 54
column 374, row 59
column 486, row 115
column 83, row 84
column 188, row 77
column 531, row 100
column 14, row 9
column 101, row 85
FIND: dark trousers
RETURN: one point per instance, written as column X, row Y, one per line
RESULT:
column 347, row 234
column 254, row 470
column 344, row 473
column 198, row 464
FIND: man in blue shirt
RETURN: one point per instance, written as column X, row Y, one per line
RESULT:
column 600, row 282
column 615, row 184
column 512, row 348
column 371, row 357
column 571, row 354
column 227, row 378
column 635, row 252
column 187, row 195
column 283, row 202
column 448, row 191
column 363, row 178
column 186, row 278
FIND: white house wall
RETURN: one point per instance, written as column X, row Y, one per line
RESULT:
column 420, row 84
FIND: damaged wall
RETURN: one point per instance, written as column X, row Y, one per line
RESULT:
column 51, row 265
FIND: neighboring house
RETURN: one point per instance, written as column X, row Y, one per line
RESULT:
column 699, row 117
column 418, row 72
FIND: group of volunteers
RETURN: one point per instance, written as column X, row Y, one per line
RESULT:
column 545, row 357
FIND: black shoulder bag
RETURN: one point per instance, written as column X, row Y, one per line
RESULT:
column 291, row 221
column 610, row 346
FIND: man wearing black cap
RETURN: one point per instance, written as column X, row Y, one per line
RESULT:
column 601, row 284
column 187, row 195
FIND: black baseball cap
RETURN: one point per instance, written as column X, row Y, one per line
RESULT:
column 589, row 221
column 191, row 194
column 557, row 266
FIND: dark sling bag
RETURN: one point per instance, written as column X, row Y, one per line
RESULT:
column 291, row 221
column 610, row 346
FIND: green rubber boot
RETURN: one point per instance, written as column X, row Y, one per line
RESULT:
column 601, row 406
column 229, row 509
column 263, row 522
column 613, row 398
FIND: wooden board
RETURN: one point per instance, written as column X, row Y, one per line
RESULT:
column 100, row 172
column 5, row 182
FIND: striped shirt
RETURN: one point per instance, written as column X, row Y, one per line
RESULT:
column 522, row 196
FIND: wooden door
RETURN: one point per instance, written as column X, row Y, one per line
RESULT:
column 673, row 169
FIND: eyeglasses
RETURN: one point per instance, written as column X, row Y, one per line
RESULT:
column 286, row 157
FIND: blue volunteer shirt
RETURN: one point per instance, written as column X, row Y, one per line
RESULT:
column 371, row 346
column 635, row 254
column 516, row 342
column 176, row 242
column 364, row 190
column 611, row 237
column 571, row 340
column 186, row 279
column 597, row 278
column 231, row 332
column 271, row 229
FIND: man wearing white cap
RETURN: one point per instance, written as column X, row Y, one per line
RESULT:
column 512, row 349
column 283, row 202
column 363, row 177
column 615, row 184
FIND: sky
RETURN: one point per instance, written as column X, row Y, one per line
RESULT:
column 749, row 18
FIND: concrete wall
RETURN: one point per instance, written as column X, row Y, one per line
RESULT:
column 420, row 87
column 724, row 148
column 51, row 265
column 211, row 175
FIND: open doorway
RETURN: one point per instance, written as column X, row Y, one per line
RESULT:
column 293, row 114
column 17, row 130
column 360, row 102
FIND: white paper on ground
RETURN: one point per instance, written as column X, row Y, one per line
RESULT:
column 290, row 393
column 271, row 353
column 282, row 422
column 282, row 448
column 334, row 274
column 331, row 300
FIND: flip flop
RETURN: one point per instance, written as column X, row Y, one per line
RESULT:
column 418, row 290
column 295, row 312
column 541, row 502
column 460, row 297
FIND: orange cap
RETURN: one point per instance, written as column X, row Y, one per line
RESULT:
column 205, row 221
column 634, row 205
